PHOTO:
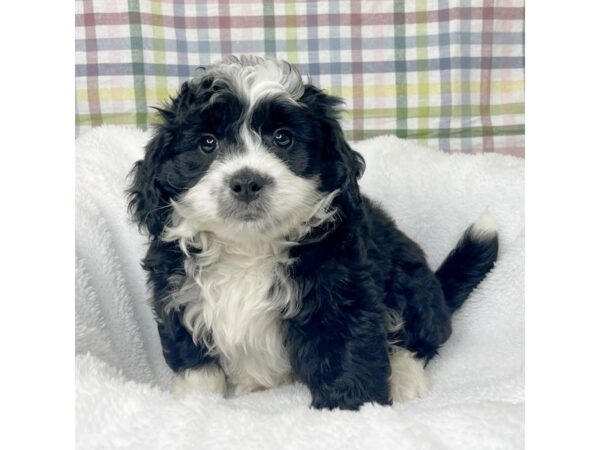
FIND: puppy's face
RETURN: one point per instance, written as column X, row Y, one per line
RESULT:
column 245, row 149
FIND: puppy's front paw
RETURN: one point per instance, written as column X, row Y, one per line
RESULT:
column 408, row 380
column 208, row 379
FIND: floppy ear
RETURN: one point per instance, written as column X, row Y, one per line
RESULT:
column 349, row 164
column 352, row 165
column 148, row 203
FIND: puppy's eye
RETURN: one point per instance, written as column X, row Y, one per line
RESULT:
column 282, row 139
column 208, row 143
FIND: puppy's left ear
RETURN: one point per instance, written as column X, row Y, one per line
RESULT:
column 348, row 165
column 352, row 165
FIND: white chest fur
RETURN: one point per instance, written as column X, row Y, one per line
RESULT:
column 234, row 302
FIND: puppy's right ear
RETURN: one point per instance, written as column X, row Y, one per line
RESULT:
column 148, row 203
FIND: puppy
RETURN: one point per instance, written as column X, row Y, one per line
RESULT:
column 267, row 265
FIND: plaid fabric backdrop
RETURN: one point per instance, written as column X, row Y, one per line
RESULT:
column 449, row 73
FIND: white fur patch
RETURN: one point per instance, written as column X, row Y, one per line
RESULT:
column 236, row 296
column 408, row 380
column 485, row 227
column 232, row 308
column 208, row 379
column 257, row 77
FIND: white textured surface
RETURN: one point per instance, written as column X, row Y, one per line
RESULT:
column 477, row 382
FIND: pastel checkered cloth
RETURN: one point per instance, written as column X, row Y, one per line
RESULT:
column 448, row 73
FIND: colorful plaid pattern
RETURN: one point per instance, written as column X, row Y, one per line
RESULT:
column 449, row 73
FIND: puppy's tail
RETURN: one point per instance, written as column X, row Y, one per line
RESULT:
column 470, row 261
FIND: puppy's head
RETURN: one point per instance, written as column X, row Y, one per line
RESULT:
column 245, row 149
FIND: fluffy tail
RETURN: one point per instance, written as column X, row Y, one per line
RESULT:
column 470, row 261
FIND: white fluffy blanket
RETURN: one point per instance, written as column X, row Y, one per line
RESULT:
column 477, row 395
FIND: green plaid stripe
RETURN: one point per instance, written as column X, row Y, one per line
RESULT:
column 137, row 62
column 447, row 73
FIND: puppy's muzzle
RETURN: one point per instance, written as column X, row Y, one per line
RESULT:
column 247, row 185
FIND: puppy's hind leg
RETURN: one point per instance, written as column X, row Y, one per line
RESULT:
column 209, row 378
column 408, row 380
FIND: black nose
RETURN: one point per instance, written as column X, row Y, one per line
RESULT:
column 246, row 185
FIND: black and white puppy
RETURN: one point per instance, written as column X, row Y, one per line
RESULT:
column 267, row 264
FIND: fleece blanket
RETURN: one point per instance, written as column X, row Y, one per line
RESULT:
column 477, row 395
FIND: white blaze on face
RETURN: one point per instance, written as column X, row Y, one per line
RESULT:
column 256, row 77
